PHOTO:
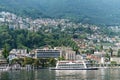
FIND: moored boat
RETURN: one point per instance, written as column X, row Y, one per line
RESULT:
column 73, row 65
column 4, row 67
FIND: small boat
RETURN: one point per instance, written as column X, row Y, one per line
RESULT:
column 73, row 65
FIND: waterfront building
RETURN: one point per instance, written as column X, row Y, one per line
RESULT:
column 100, row 53
column 67, row 53
column 115, row 59
column 99, row 57
column 47, row 53
column 12, row 56
column 82, row 56
column 3, row 61
column 70, row 55
column 18, row 53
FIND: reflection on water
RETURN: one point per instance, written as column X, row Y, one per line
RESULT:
column 75, row 75
column 70, row 75
column 45, row 74
column 16, row 75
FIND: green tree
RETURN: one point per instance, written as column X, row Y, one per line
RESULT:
column 43, row 62
column 28, row 60
column 113, row 63
column 5, row 52
column 91, row 51
column 107, row 56
column 61, row 58
column 101, row 47
column 36, row 62
column 118, row 53
column 52, row 62
column 110, row 51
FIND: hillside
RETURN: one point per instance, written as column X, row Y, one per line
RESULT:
column 85, row 11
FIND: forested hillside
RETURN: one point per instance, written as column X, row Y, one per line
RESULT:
column 31, row 40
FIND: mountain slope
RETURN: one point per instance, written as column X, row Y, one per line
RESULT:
column 86, row 11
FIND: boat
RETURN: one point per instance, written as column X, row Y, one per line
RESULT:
column 74, row 65
column 4, row 67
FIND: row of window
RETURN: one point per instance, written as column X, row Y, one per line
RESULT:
column 71, row 65
column 48, row 51
column 48, row 55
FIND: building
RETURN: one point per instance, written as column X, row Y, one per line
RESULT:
column 99, row 57
column 12, row 56
column 116, row 59
column 70, row 55
column 100, row 54
column 47, row 53
column 17, row 53
column 67, row 53
column 82, row 56
column 3, row 61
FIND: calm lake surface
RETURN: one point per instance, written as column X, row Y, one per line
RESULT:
column 45, row 74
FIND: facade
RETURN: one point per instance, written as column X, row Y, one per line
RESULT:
column 12, row 56
column 100, row 54
column 81, row 56
column 116, row 59
column 3, row 61
column 17, row 53
column 47, row 53
column 70, row 55
column 67, row 53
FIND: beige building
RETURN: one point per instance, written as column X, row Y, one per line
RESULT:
column 70, row 55
column 116, row 59
column 67, row 53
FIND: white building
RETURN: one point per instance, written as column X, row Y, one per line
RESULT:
column 12, row 56
column 18, row 53
column 100, row 54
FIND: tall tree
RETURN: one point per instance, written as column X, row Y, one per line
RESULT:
column 5, row 52
column 110, row 51
column 118, row 53
column 101, row 47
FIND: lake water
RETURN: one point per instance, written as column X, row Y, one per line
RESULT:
column 45, row 74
